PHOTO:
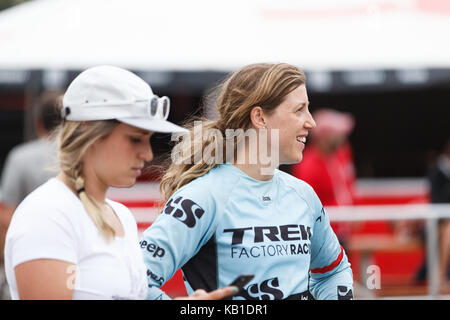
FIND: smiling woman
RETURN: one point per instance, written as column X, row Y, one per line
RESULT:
column 85, row 246
column 235, row 218
column 293, row 120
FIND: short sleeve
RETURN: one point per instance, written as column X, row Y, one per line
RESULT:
column 331, row 275
column 38, row 232
column 326, row 251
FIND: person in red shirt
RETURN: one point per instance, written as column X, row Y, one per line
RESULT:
column 328, row 162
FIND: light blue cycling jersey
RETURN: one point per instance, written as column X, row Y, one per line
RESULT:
column 225, row 223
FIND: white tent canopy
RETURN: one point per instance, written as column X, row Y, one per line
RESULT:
column 223, row 35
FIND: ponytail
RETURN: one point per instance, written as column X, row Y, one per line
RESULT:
column 191, row 161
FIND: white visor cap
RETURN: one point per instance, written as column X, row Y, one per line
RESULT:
column 108, row 92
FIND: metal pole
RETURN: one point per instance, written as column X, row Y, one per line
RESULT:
column 432, row 256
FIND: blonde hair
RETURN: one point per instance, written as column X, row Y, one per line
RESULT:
column 74, row 138
column 263, row 84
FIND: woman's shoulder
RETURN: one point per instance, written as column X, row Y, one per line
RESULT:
column 41, row 196
column 51, row 199
column 294, row 182
column 125, row 215
column 209, row 190
column 48, row 212
column 215, row 181
column 121, row 209
column 302, row 188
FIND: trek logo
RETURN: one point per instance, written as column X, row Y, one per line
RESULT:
column 184, row 210
column 344, row 293
column 289, row 232
column 266, row 290
column 152, row 248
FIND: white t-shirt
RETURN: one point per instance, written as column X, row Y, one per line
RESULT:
column 51, row 223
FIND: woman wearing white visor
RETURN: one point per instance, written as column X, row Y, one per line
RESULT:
column 66, row 239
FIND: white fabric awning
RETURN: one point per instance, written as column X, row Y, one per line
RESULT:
column 223, row 35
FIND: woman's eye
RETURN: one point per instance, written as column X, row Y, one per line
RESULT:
column 135, row 140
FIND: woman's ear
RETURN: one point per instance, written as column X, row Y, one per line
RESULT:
column 257, row 117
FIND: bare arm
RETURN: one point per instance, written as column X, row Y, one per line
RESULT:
column 45, row 279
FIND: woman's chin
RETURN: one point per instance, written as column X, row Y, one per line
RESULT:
column 126, row 183
column 293, row 159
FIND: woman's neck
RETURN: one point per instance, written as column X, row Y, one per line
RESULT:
column 255, row 171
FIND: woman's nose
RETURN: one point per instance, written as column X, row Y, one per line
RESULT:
column 310, row 123
column 147, row 154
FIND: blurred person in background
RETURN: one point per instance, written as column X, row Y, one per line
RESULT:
column 231, row 216
column 66, row 240
column 29, row 165
column 438, row 177
column 328, row 165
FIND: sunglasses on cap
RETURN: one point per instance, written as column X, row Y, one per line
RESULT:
column 159, row 107
column 154, row 108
